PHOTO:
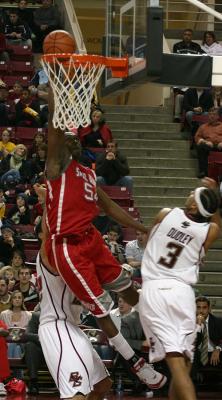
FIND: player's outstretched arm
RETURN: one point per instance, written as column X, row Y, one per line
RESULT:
column 56, row 145
column 114, row 211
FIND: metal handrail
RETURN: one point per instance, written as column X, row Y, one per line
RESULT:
column 197, row 19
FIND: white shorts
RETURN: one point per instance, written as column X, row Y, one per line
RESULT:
column 73, row 363
column 167, row 309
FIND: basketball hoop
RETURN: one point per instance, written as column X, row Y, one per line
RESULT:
column 73, row 78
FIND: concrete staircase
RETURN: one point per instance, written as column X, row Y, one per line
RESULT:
column 164, row 173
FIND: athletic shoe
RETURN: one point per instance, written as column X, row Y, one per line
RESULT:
column 156, row 350
column 147, row 374
column 3, row 391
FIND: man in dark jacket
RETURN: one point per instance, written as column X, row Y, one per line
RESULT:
column 17, row 31
column 112, row 168
column 197, row 101
column 187, row 46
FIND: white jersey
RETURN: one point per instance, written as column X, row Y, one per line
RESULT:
column 59, row 304
column 175, row 248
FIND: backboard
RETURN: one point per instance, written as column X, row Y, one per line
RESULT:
column 128, row 27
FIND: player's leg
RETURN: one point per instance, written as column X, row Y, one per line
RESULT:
column 181, row 385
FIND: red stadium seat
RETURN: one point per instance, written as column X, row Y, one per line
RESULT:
column 25, row 135
column 4, row 66
column 215, row 165
column 120, row 195
column 21, row 68
column 133, row 211
column 20, row 53
column 128, row 234
column 31, row 255
column 11, row 79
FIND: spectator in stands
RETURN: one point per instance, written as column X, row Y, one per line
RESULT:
column 25, row 13
column 16, row 316
column 17, row 261
column 39, row 139
column 17, row 32
column 14, row 167
column 5, row 109
column 112, row 168
column 217, row 97
column 3, row 46
column 20, row 212
column 46, row 19
column 34, row 357
column 97, row 134
column 197, row 101
column 134, row 252
column 208, row 138
column 2, row 205
column 209, row 336
column 187, row 46
column 9, row 243
column 6, row 146
column 37, row 164
column 210, row 44
column 27, row 110
column 4, row 364
column 8, row 273
column 111, row 240
column 24, row 284
column 5, row 297
column 15, row 93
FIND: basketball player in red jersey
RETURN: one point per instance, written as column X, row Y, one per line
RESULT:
column 76, row 249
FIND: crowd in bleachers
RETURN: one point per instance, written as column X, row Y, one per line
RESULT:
column 23, row 149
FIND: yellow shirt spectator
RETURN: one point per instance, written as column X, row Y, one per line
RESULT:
column 6, row 146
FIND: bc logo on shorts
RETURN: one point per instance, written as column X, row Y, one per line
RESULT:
column 76, row 378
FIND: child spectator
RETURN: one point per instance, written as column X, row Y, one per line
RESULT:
column 27, row 110
column 97, row 134
column 8, row 273
column 6, row 146
column 27, row 288
column 9, row 244
column 20, row 213
column 111, row 239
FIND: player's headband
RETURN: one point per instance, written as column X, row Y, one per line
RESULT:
column 200, row 206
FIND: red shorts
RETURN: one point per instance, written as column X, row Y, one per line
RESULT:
column 86, row 264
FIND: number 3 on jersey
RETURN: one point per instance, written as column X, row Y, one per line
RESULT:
column 171, row 258
column 90, row 192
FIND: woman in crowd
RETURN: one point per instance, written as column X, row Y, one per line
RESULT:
column 210, row 44
column 14, row 168
column 97, row 134
column 38, row 140
column 38, row 163
column 6, row 146
column 20, row 212
column 17, row 261
column 9, row 244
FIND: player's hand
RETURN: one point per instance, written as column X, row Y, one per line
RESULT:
column 209, row 183
column 215, row 357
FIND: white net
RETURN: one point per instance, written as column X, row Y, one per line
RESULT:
column 73, row 84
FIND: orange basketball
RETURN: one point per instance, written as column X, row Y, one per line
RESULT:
column 59, row 42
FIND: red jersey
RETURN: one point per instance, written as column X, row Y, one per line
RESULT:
column 71, row 201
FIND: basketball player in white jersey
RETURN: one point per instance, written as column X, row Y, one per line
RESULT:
column 177, row 243
column 73, row 363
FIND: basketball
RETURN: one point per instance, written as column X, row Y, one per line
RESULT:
column 59, row 42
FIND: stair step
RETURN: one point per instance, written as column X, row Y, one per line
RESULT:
column 216, row 302
column 149, row 171
column 109, row 109
column 164, row 162
column 149, row 134
column 214, row 255
column 159, row 201
column 212, row 266
column 161, row 153
column 148, row 117
column 160, row 191
column 165, row 181
column 132, row 143
column 140, row 126
column 210, row 278
column 208, row 289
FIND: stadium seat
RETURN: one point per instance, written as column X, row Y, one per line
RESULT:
column 119, row 194
column 4, row 66
column 21, row 68
column 20, row 53
column 215, row 165
column 128, row 234
column 31, row 255
column 26, row 135
column 133, row 211
column 10, row 80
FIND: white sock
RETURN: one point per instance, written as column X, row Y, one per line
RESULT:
column 122, row 346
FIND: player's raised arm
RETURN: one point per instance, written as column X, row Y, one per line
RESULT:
column 116, row 212
column 57, row 155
